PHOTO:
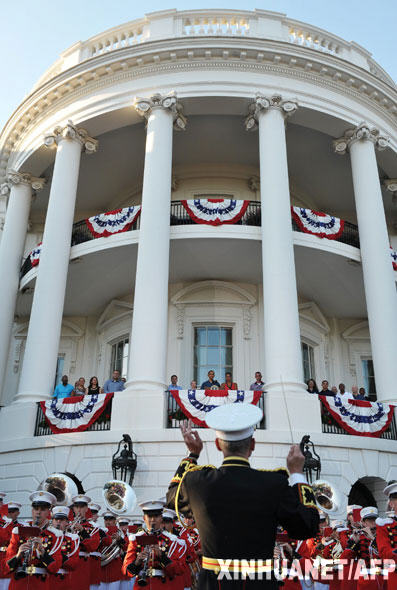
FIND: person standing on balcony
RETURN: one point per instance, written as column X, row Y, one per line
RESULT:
column 356, row 394
column 212, row 383
column 325, row 390
column 174, row 383
column 113, row 384
column 63, row 389
column 312, row 386
column 79, row 386
column 228, row 384
column 93, row 387
column 258, row 384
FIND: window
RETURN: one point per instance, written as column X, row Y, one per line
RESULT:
column 369, row 378
column 308, row 362
column 59, row 369
column 212, row 350
column 119, row 360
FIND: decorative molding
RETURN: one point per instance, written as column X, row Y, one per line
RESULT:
column 73, row 133
column 262, row 103
column 390, row 185
column 180, row 320
column 14, row 178
column 247, row 320
column 174, row 183
column 360, row 133
column 254, row 183
column 245, row 297
column 144, row 106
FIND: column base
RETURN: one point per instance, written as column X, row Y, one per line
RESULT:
column 18, row 420
column 139, row 410
column 29, row 396
column 292, row 409
column 144, row 385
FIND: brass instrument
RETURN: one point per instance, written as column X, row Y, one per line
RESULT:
column 26, row 569
column 119, row 497
column 61, row 486
column 144, row 574
column 327, row 496
column 72, row 526
column 113, row 550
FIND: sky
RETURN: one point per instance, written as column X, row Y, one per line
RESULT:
column 33, row 34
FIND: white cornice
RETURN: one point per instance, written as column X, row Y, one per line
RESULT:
column 254, row 55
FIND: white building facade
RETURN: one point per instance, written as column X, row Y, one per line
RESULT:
column 178, row 106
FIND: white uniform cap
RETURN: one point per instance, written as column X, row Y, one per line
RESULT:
column 390, row 489
column 81, row 498
column 336, row 524
column 390, row 514
column 14, row 505
column 2, row 495
column 43, row 497
column 123, row 520
column 352, row 507
column 60, row 511
column 108, row 515
column 322, row 515
column 234, row 421
column 137, row 520
column 168, row 513
column 152, row 505
column 94, row 506
column 369, row 512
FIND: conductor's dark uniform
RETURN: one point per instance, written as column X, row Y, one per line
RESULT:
column 237, row 510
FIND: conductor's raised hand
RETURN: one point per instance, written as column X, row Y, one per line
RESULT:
column 191, row 437
column 295, row 460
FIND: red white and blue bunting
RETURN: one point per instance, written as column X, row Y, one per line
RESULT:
column 393, row 255
column 35, row 255
column 215, row 211
column 318, row 224
column 196, row 403
column 74, row 414
column 359, row 417
column 113, row 222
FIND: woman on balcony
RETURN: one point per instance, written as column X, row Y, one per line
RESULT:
column 312, row 386
column 228, row 382
column 93, row 387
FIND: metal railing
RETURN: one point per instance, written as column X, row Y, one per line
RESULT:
column 102, row 423
column 179, row 216
column 331, row 426
column 175, row 416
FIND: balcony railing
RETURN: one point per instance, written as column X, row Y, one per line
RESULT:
column 330, row 426
column 175, row 416
column 101, row 423
column 179, row 216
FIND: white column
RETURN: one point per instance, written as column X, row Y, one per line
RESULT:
column 288, row 406
column 379, row 282
column 148, row 350
column 20, row 185
column 283, row 358
column 39, row 364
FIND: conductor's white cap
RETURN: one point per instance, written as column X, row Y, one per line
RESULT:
column 234, row 421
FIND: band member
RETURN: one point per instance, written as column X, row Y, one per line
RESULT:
column 3, row 507
column 155, row 555
column 94, row 509
column 123, row 523
column 89, row 541
column 95, row 556
column 362, row 546
column 69, row 550
column 232, row 497
column 349, row 581
column 6, row 525
column 191, row 563
column 386, row 534
column 332, row 552
column 35, row 553
column 111, row 572
column 136, row 524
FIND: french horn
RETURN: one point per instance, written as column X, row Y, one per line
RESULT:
column 61, row 486
column 119, row 497
column 327, row 497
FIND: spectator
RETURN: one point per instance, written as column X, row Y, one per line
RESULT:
column 212, row 383
column 258, row 384
column 312, row 386
column 228, row 384
column 64, row 389
column 124, row 380
column 93, row 387
column 334, row 389
column 113, row 384
column 79, row 386
column 174, row 383
column 361, row 391
column 193, row 384
column 356, row 394
column 325, row 389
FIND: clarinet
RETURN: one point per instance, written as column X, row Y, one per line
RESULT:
column 24, row 570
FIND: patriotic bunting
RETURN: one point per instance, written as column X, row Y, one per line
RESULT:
column 359, row 417
column 393, row 255
column 215, row 211
column 113, row 222
column 196, row 403
column 74, row 414
column 35, row 255
column 318, row 224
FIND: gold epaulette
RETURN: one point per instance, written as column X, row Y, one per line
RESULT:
column 281, row 470
column 192, row 467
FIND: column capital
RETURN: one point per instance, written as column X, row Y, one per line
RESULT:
column 14, row 178
column 362, row 132
column 144, row 106
column 390, row 185
column 73, row 133
column 263, row 103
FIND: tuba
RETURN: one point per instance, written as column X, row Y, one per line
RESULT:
column 327, row 497
column 119, row 497
column 61, row 486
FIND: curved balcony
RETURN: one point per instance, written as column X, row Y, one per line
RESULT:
column 180, row 217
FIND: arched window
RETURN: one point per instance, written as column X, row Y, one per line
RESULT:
column 119, row 357
column 213, row 349
column 308, row 361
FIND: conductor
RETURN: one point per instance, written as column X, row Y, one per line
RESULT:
column 237, row 508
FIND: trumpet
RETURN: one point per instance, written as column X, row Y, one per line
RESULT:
column 142, row 578
column 77, row 520
column 26, row 568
